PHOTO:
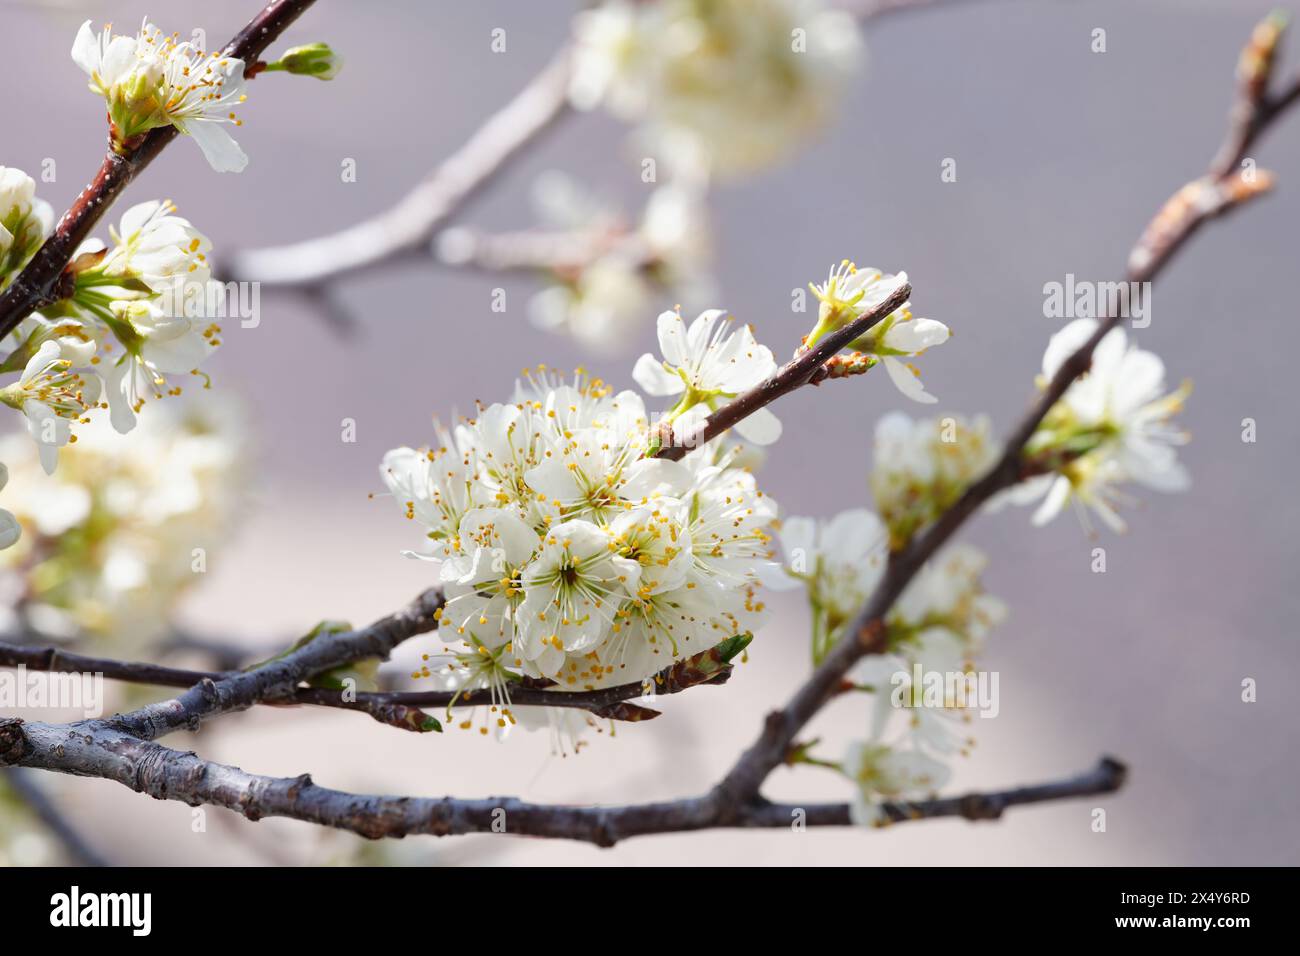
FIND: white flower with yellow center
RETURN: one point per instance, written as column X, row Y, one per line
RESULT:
column 52, row 394
column 1111, row 427
column 435, row 488
column 571, row 592
column 483, row 584
column 152, row 80
column 158, row 343
column 849, row 292
column 161, row 249
column 25, row 221
column 883, row 774
column 707, row 364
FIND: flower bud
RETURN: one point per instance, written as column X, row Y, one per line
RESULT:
column 314, row 59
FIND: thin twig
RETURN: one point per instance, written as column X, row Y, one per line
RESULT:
column 34, row 285
column 805, row 368
column 399, row 708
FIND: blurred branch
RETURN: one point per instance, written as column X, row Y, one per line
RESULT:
column 875, row 9
column 23, row 784
column 407, row 229
column 537, row 250
column 32, row 288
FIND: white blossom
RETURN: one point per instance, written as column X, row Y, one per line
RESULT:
column 737, row 84
column 52, row 394
column 1111, row 427
column 110, row 540
column 847, row 293
column 25, row 221
column 882, row 774
column 618, row 271
column 920, row 468
column 708, row 363
column 570, row 552
column 152, row 80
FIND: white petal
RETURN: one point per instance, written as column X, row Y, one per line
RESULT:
column 760, row 427
column 907, row 381
column 916, row 336
column 1056, row 498
column 1065, row 343
column 1139, row 380
column 10, row 530
column 672, row 338
column 85, row 49
column 654, row 379
column 219, row 147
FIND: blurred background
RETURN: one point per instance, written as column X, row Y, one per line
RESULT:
column 1062, row 155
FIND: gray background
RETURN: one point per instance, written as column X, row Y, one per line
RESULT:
column 1062, row 156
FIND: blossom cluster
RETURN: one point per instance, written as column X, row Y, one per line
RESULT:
column 940, row 622
column 732, row 85
column 127, row 524
column 1111, row 427
column 923, row 466
column 568, row 550
column 126, row 318
column 134, row 317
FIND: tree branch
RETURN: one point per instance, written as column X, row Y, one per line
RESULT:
column 712, row 666
column 33, row 286
column 407, row 229
column 98, row 749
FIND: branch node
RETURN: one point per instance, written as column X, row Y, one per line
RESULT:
column 13, row 741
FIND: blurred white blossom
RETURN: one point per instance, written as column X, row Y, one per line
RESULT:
column 603, row 300
column 921, row 467
column 124, row 528
column 1109, row 429
column 734, row 84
